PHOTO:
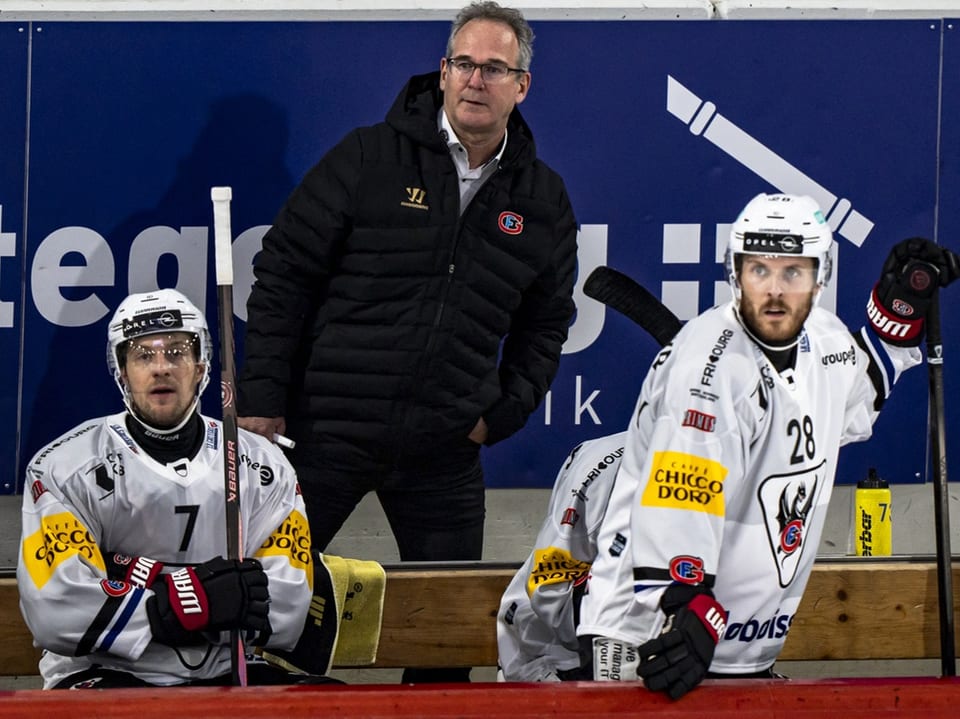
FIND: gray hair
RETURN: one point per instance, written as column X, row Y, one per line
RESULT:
column 489, row 10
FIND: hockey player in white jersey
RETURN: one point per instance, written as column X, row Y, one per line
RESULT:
column 716, row 514
column 536, row 624
column 121, row 572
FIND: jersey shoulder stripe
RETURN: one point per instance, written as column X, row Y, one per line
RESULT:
column 113, row 616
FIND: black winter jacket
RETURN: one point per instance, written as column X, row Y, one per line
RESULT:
column 382, row 323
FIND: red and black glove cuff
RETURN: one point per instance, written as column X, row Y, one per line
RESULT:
column 187, row 599
column 138, row 571
column 895, row 318
column 710, row 613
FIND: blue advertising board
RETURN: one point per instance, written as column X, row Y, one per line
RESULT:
column 156, row 114
column 661, row 138
column 13, row 142
column 666, row 139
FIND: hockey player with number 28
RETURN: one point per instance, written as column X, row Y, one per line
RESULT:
column 716, row 513
column 121, row 573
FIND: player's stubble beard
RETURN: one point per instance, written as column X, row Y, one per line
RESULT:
column 172, row 410
column 782, row 332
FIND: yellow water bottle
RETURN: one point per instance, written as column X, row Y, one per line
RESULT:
column 872, row 528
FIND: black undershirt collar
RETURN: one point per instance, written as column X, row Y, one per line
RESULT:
column 782, row 359
column 167, row 448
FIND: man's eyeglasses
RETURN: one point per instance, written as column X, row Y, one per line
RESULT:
column 491, row 72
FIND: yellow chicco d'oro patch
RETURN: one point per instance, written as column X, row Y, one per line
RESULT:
column 553, row 566
column 59, row 537
column 685, row 481
column 291, row 540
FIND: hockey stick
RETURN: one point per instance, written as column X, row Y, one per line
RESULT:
column 630, row 298
column 923, row 275
column 223, row 257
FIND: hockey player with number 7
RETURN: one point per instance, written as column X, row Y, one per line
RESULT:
column 715, row 515
column 122, row 575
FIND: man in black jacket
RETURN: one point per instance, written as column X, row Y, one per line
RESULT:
column 412, row 298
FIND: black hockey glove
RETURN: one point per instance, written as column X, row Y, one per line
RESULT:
column 217, row 595
column 678, row 660
column 911, row 274
column 138, row 571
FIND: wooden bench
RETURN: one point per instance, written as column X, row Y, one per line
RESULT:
column 853, row 609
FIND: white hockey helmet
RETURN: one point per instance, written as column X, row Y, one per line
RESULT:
column 150, row 313
column 780, row 224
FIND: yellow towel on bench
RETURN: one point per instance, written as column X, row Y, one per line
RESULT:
column 359, row 586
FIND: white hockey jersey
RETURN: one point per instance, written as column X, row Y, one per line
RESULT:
column 94, row 491
column 726, row 476
column 536, row 632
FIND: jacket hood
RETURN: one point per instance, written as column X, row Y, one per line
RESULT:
column 414, row 113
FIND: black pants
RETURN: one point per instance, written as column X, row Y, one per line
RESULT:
column 435, row 511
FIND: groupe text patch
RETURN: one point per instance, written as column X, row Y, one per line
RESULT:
column 685, row 481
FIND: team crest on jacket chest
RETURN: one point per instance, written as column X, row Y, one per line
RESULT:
column 510, row 223
column 788, row 502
